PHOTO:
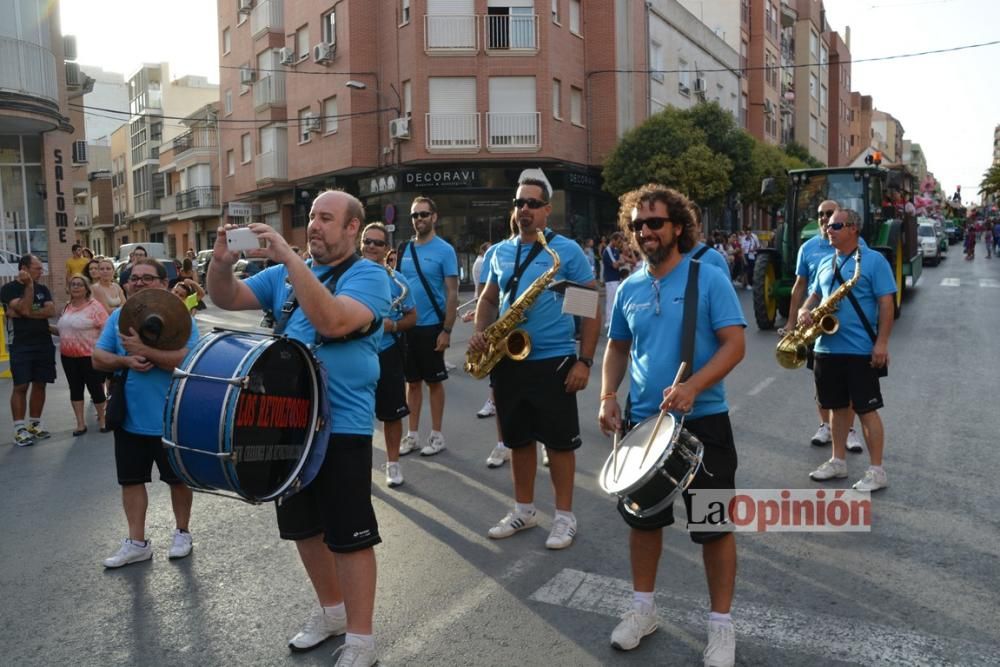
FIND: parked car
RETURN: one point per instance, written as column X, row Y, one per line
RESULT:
column 953, row 232
column 244, row 268
column 201, row 261
column 930, row 248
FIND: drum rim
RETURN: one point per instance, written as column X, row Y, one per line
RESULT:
column 682, row 486
column 649, row 474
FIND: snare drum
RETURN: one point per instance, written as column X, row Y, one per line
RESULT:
column 247, row 414
column 673, row 460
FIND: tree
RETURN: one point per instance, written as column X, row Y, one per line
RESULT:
column 769, row 161
column 724, row 137
column 797, row 150
column 650, row 149
column 990, row 185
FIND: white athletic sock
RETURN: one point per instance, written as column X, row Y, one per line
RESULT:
column 368, row 641
column 500, row 444
column 643, row 601
column 337, row 610
column 18, row 425
column 437, row 433
column 725, row 619
column 525, row 508
column 834, row 458
column 568, row 515
column 412, row 434
column 876, row 468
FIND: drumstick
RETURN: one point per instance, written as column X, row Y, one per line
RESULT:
column 659, row 420
column 614, row 454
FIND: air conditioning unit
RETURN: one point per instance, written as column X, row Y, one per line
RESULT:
column 312, row 124
column 683, row 89
column 69, row 47
column 768, row 107
column 246, row 6
column 247, row 76
column 286, row 56
column 74, row 77
column 323, row 53
column 399, row 128
column 79, row 152
column 700, row 86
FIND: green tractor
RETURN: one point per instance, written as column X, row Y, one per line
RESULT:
column 857, row 188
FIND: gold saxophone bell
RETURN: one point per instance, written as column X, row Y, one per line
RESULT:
column 518, row 345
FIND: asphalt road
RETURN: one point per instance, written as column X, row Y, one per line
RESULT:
column 920, row 588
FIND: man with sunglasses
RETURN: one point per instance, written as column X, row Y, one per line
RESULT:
column 137, row 440
column 430, row 265
column 811, row 253
column 536, row 397
column 849, row 362
column 645, row 340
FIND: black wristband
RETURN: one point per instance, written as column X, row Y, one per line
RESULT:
column 586, row 361
column 446, row 330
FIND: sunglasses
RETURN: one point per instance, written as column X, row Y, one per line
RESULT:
column 533, row 204
column 827, row 214
column 837, row 226
column 374, row 242
column 653, row 224
column 420, row 214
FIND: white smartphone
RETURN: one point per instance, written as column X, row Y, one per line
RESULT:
column 240, row 239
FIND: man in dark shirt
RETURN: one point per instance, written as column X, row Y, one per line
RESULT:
column 28, row 306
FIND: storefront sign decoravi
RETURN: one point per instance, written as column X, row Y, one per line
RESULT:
column 439, row 178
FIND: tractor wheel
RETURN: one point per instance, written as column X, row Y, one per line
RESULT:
column 765, row 279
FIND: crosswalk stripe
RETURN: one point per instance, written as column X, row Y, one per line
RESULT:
column 989, row 282
column 951, row 282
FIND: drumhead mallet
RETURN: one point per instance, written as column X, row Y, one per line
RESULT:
column 659, row 420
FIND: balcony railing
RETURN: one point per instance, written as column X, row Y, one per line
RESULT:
column 511, row 32
column 267, row 16
column 453, row 132
column 167, row 207
column 200, row 197
column 271, row 166
column 81, row 222
column 196, row 138
column 451, row 33
column 145, row 203
column 28, row 68
column 513, row 131
column 269, row 91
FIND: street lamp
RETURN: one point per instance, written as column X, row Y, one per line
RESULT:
column 354, row 84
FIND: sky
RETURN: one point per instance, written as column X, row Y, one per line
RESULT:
column 949, row 103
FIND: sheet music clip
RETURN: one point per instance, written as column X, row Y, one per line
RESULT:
column 579, row 300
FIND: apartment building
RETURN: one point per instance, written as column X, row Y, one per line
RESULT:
column 121, row 179
column 863, row 137
column 839, row 148
column 108, row 94
column 996, row 144
column 811, row 80
column 888, row 127
column 915, row 160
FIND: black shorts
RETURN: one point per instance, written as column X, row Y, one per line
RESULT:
column 422, row 362
column 32, row 363
column 338, row 503
column 718, row 471
column 135, row 455
column 390, row 392
column 533, row 404
column 847, row 380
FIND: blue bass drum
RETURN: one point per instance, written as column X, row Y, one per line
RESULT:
column 247, row 415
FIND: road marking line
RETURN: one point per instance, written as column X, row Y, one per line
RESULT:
column 761, row 386
column 989, row 282
column 833, row 637
column 951, row 282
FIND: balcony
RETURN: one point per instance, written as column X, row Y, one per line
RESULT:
column 28, row 76
column 267, row 16
column 196, row 138
column 450, row 34
column 513, row 131
column 81, row 222
column 269, row 91
column 511, row 33
column 167, row 207
column 271, row 166
column 196, row 198
column 456, row 132
column 145, row 205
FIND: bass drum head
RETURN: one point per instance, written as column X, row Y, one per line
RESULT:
column 274, row 419
column 630, row 472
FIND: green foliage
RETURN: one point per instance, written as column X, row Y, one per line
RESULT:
column 648, row 149
column 800, row 152
column 990, row 185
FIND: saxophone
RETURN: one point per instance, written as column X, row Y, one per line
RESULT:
column 504, row 337
column 793, row 348
column 404, row 290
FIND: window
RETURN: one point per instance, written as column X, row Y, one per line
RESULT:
column 814, row 45
column 823, row 56
column 576, row 105
column 813, row 85
column 302, row 42
column 555, row 12
column 407, row 98
column 683, row 77
column 230, row 163
column 822, row 97
column 404, row 15
column 305, row 124
column 822, row 134
column 330, row 115
column 813, row 123
column 227, row 41
column 574, row 16
column 245, row 148
column 229, row 102
column 241, row 18
column 556, row 97
column 656, row 61
column 328, row 26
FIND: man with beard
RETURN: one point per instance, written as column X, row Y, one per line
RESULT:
column 646, row 327
column 339, row 304
column 536, row 398
column 430, row 265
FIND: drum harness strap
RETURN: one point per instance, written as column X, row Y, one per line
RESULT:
column 329, row 279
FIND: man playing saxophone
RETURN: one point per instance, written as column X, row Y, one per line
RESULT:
column 536, row 397
column 850, row 361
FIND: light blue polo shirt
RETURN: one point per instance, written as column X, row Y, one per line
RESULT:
column 145, row 392
column 437, row 262
column 484, row 272
column 551, row 332
column 396, row 314
column 655, row 353
column 811, row 253
column 711, row 256
column 876, row 280
column 352, row 367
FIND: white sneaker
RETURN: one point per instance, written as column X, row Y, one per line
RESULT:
column 435, row 444
column 823, row 436
column 721, row 649
column 562, row 533
column 407, row 444
column 448, row 366
column 545, row 457
column 512, row 523
column 488, row 410
column 23, row 438
column 393, row 474
column 499, row 456
column 129, row 552
column 181, row 545
column 320, row 627
column 832, row 469
column 854, row 442
column 352, row 655
column 635, row 624
column 872, row 481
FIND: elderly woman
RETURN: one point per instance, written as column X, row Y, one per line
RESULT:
column 79, row 327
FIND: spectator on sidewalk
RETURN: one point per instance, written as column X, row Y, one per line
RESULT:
column 79, row 327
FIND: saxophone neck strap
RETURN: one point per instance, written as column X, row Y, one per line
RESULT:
column 838, row 278
column 438, row 310
column 690, row 320
column 514, row 281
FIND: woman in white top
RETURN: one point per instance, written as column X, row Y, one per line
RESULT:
column 106, row 291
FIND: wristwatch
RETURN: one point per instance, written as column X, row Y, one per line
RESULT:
column 446, row 330
column 586, row 361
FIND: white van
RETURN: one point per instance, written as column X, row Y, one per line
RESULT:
column 153, row 250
